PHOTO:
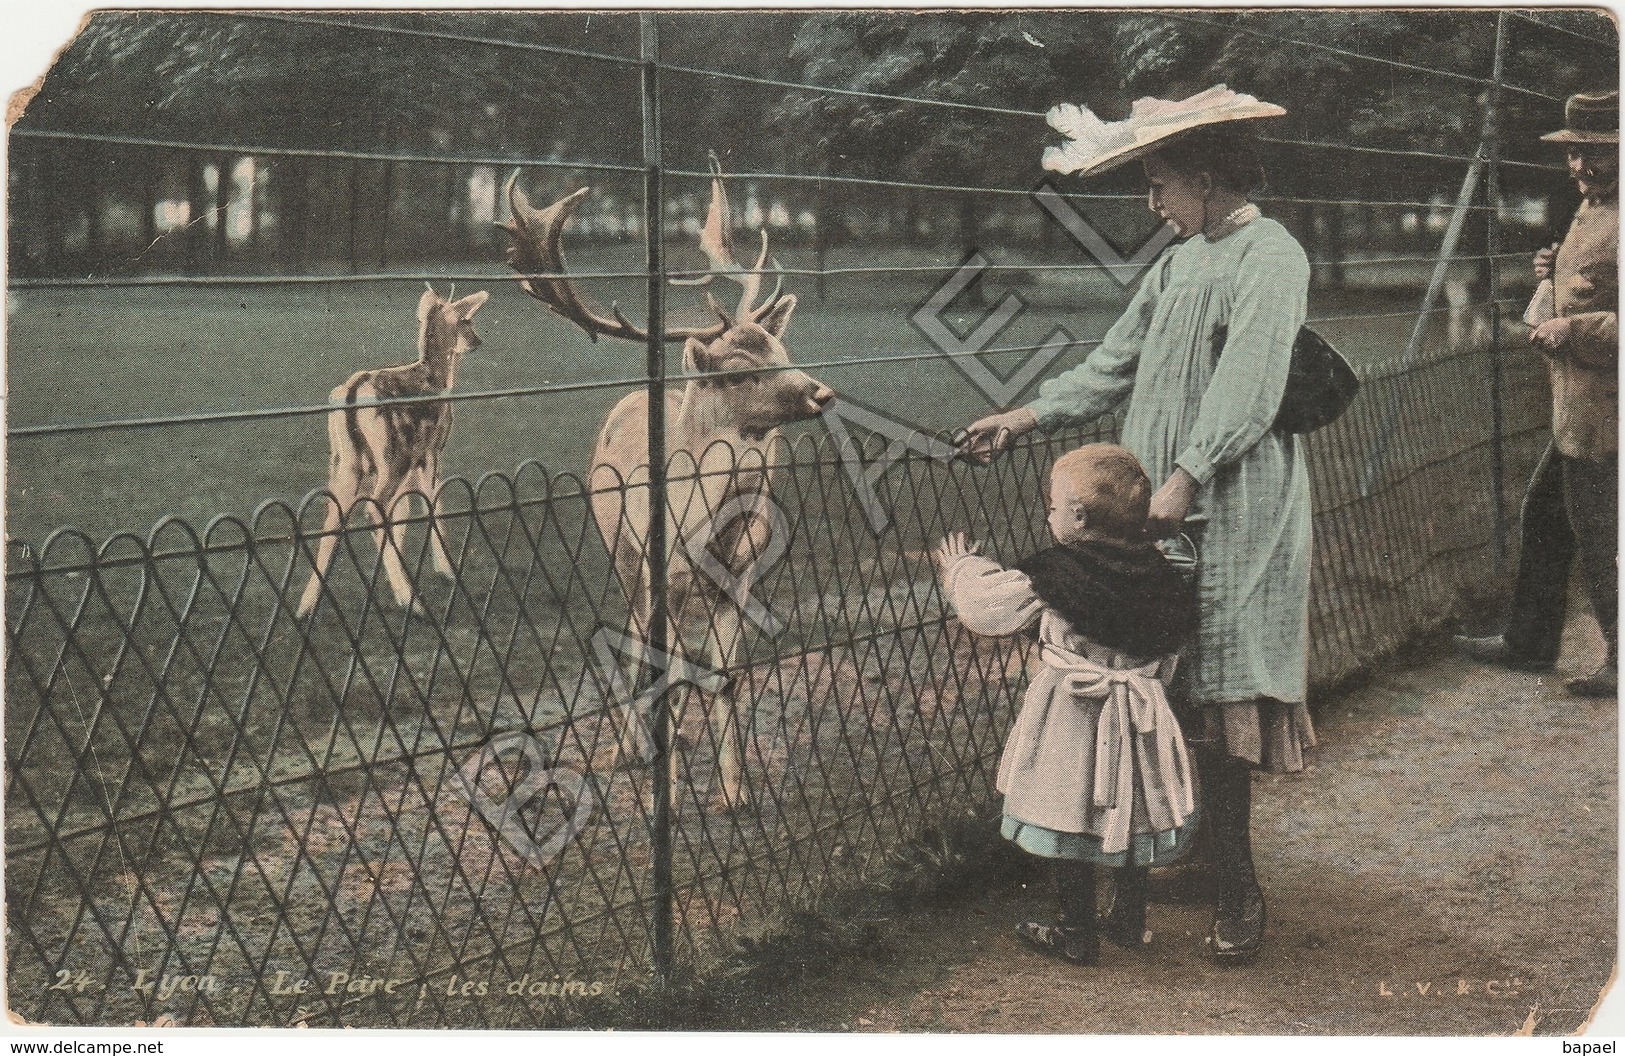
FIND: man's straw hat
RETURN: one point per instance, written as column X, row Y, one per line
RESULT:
column 1098, row 146
column 1590, row 119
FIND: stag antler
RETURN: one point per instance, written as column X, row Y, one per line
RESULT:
column 716, row 242
column 537, row 253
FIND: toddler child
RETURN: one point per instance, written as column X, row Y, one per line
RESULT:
column 1095, row 771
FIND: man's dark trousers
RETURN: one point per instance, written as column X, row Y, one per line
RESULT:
column 1571, row 509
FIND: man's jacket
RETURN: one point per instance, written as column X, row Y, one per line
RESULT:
column 1585, row 378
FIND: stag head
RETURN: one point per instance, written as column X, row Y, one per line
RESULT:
column 748, row 368
column 743, row 371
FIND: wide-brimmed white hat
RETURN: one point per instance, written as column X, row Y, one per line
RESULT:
column 1097, row 146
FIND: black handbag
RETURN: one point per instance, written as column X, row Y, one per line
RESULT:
column 1320, row 384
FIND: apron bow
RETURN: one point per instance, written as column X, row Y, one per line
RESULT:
column 1136, row 725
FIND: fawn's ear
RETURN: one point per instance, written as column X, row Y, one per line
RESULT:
column 426, row 304
column 777, row 321
column 470, row 304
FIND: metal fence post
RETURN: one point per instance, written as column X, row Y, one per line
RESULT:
column 1376, row 460
column 653, row 199
column 1492, row 250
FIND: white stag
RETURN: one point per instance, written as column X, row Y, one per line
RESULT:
column 385, row 452
column 721, row 428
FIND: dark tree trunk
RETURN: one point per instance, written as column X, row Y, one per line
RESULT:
column 56, row 200
column 94, row 209
column 353, row 249
column 386, row 194
column 1335, row 246
column 970, row 224
column 152, row 192
column 820, row 234
column 222, row 202
column 197, row 209
column 291, row 180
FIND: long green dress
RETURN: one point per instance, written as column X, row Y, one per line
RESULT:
column 1246, row 294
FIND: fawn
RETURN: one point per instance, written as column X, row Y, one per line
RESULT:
column 384, row 452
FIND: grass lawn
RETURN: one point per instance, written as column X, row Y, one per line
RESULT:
column 78, row 355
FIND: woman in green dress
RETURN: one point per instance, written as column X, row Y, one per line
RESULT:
column 1201, row 358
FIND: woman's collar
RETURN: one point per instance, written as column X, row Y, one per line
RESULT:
column 1240, row 218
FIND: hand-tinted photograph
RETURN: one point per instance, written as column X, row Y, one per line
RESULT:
column 924, row 521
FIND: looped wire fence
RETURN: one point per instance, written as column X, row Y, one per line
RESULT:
column 203, row 787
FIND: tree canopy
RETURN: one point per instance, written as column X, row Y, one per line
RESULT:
column 1394, row 85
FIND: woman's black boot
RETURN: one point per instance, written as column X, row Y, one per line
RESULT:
column 1076, row 936
column 1125, row 906
column 1237, row 933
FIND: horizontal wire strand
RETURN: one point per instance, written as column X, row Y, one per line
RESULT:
column 516, row 45
column 788, row 177
column 1360, row 56
column 864, row 181
column 669, row 68
column 1394, row 152
column 181, row 281
column 1390, row 371
column 256, row 149
column 1532, row 20
column 300, row 410
column 171, row 281
column 827, row 90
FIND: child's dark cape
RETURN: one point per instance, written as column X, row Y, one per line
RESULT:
column 1127, row 598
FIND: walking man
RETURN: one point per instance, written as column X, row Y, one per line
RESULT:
column 1571, row 508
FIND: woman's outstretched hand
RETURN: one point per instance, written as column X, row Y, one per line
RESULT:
column 987, row 438
column 952, row 549
column 1170, row 504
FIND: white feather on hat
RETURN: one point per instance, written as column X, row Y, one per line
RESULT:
column 1096, row 146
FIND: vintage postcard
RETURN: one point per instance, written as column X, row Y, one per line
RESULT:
column 1043, row 521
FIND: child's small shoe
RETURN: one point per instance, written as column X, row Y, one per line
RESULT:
column 1081, row 946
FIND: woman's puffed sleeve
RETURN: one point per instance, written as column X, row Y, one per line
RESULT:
column 1104, row 380
column 1271, row 298
column 991, row 600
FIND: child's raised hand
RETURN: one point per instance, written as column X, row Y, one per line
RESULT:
column 954, row 547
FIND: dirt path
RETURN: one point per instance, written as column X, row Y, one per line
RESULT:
column 1447, row 867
